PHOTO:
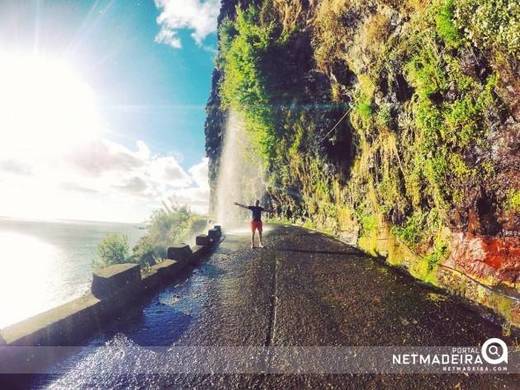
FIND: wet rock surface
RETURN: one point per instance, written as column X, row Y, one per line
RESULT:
column 303, row 289
column 497, row 258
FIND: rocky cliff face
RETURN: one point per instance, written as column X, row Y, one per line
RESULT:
column 394, row 125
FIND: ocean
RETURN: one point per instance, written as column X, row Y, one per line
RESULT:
column 45, row 264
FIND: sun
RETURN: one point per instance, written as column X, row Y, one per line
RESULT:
column 44, row 105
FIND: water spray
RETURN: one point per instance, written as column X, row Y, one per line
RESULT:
column 240, row 177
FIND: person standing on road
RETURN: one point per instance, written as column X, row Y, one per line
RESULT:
column 256, row 221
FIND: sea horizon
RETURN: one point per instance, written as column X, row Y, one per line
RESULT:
column 68, row 220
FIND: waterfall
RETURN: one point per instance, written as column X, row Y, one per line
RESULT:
column 240, row 177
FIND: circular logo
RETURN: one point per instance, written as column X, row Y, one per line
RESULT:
column 494, row 351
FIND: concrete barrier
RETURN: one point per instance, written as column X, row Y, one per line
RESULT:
column 63, row 325
column 107, row 281
column 213, row 235
column 151, row 279
column 169, row 269
column 114, row 289
column 202, row 240
column 199, row 251
column 181, row 253
column 164, row 272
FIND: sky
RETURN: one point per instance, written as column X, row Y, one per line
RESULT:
column 102, row 106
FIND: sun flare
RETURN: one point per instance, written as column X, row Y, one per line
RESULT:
column 44, row 105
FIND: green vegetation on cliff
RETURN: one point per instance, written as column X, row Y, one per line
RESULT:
column 382, row 116
column 243, row 45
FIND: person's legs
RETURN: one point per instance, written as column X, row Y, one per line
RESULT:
column 253, row 227
column 260, row 234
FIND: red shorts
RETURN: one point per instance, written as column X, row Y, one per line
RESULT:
column 256, row 225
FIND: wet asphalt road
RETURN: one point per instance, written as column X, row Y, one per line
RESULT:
column 303, row 289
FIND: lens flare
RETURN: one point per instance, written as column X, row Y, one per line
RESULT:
column 45, row 107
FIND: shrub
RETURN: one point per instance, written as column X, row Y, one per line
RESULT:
column 330, row 32
column 146, row 253
column 368, row 223
column 168, row 226
column 436, row 255
column 384, row 116
column 412, row 230
column 113, row 249
column 450, row 111
column 426, row 70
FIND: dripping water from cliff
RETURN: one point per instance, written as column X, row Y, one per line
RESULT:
column 240, row 176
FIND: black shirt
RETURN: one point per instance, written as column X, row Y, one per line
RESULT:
column 256, row 212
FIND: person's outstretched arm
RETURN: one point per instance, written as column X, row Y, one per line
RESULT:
column 241, row 205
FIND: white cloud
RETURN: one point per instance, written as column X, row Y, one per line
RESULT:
column 76, row 187
column 199, row 173
column 134, row 186
column 15, row 167
column 100, row 180
column 168, row 171
column 168, row 37
column 199, row 16
column 196, row 198
column 100, row 156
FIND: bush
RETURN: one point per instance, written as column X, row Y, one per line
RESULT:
column 412, row 231
column 113, row 249
column 169, row 226
column 437, row 254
